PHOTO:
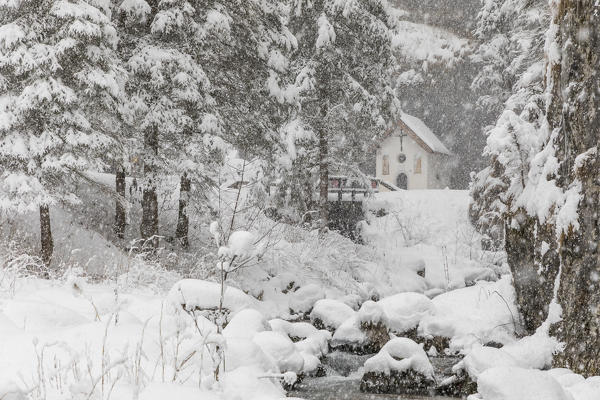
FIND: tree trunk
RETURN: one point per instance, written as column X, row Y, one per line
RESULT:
column 120, row 215
column 46, row 236
column 149, row 224
column 573, row 111
column 533, row 266
column 323, row 180
column 183, row 221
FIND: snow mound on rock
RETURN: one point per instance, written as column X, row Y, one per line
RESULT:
column 300, row 330
column 204, row 295
column 474, row 315
column 404, row 311
column 400, row 354
column 529, row 352
column 349, row 333
column 331, row 313
column 245, row 324
column 303, row 299
column 281, row 349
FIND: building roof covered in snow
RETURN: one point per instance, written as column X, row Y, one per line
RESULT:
column 417, row 130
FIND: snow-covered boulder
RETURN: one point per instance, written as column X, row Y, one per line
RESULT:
column 370, row 329
column 374, row 323
column 282, row 350
column 330, row 314
column 196, row 294
column 245, row 324
column 401, row 367
column 303, row 299
column 530, row 352
column 404, row 311
column 241, row 352
column 295, row 330
column 514, row 383
column 349, row 336
column 483, row 313
column 309, row 341
column 483, row 358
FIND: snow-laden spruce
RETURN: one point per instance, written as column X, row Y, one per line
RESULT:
column 61, row 85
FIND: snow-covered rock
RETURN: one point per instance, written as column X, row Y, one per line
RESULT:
column 309, row 341
column 295, row 330
column 404, row 311
column 402, row 366
column 330, row 313
column 400, row 354
column 478, row 314
column 196, row 294
column 349, row 333
column 281, row 349
column 531, row 352
column 245, row 324
column 303, row 299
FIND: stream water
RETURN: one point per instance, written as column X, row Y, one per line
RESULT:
column 342, row 380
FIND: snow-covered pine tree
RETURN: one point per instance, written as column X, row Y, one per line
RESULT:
column 545, row 172
column 59, row 79
column 341, row 84
column 243, row 44
column 512, row 59
column 170, row 103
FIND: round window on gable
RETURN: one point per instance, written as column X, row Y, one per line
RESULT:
column 401, row 158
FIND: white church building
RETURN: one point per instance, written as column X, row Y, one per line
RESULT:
column 411, row 157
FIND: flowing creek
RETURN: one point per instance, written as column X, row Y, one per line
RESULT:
column 343, row 375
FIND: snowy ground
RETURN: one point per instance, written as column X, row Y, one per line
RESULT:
column 138, row 334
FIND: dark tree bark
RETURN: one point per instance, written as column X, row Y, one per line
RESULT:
column 321, row 126
column 149, row 224
column 323, row 180
column 183, row 221
column 533, row 265
column 574, row 113
column 46, row 236
column 120, row 215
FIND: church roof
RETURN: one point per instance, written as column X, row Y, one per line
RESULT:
column 422, row 134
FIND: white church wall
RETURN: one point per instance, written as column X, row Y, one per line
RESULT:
column 391, row 147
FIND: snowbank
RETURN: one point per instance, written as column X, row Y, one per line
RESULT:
column 478, row 314
column 428, row 230
column 514, row 383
